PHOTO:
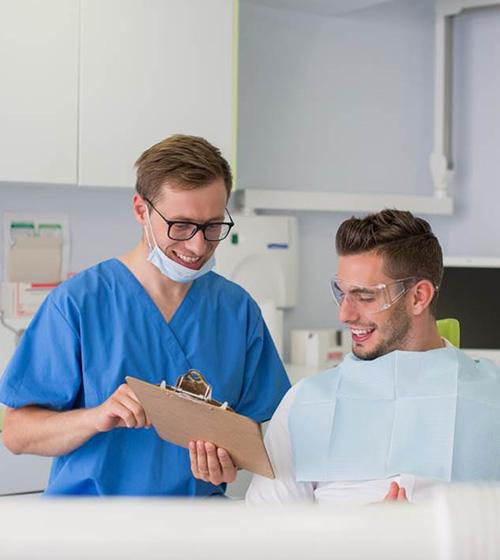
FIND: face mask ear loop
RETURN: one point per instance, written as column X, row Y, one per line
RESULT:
column 147, row 234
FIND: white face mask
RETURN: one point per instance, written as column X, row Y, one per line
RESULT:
column 169, row 268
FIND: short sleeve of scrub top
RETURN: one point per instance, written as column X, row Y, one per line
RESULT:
column 45, row 369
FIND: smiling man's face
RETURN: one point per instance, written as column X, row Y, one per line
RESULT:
column 200, row 205
column 373, row 334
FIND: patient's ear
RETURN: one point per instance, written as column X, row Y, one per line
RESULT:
column 421, row 296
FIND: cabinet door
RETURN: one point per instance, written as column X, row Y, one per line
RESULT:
column 39, row 90
column 150, row 69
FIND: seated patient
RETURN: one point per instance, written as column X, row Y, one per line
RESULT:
column 405, row 411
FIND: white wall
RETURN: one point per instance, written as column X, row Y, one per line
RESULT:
column 341, row 103
column 101, row 220
column 475, row 227
column 346, row 104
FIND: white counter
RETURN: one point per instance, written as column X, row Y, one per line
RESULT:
column 461, row 523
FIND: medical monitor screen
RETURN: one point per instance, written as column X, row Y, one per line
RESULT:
column 472, row 295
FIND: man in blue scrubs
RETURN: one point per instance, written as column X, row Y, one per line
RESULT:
column 153, row 313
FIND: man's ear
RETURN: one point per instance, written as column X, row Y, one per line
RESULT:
column 140, row 209
column 421, row 296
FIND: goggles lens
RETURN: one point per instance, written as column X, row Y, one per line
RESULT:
column 370, row 299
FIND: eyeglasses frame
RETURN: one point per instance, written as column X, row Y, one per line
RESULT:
column 198, row 227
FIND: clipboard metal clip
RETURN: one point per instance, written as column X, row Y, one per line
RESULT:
column 195, row 385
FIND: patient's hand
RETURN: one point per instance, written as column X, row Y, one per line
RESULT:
column 396, row 493
column 210, row 463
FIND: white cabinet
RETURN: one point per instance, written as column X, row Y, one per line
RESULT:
column 148, row 70
column 87, row 85
column 39, row 90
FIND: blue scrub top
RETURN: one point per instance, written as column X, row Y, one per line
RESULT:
column 100, row 326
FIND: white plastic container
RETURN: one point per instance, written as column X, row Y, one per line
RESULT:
column 320, row 348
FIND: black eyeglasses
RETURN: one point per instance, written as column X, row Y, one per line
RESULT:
column 179, row 230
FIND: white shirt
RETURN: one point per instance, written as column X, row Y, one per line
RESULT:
column 285, row 489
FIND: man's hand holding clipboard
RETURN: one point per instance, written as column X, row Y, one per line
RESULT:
column 186, row 413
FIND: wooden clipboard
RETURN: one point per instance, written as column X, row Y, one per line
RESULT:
column 187, row 413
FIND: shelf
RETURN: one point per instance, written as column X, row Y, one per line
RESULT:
column 269, row 199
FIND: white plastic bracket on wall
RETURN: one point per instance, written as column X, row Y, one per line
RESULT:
column 440, row 159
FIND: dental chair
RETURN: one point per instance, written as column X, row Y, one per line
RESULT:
column 450, row 329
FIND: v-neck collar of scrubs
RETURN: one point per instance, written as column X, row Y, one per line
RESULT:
column 183, row 309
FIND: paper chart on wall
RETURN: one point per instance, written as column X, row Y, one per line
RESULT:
column 36, row 247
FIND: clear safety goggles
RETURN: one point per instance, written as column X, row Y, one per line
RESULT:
column 370, row 299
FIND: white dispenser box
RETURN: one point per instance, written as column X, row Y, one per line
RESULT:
column 260, row 254
column 321, row 348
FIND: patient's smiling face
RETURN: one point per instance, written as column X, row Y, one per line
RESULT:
column 373, row 335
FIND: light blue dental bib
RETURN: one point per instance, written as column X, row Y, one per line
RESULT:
column 434, row 414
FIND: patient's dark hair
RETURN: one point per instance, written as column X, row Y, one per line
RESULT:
column 407, row 244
